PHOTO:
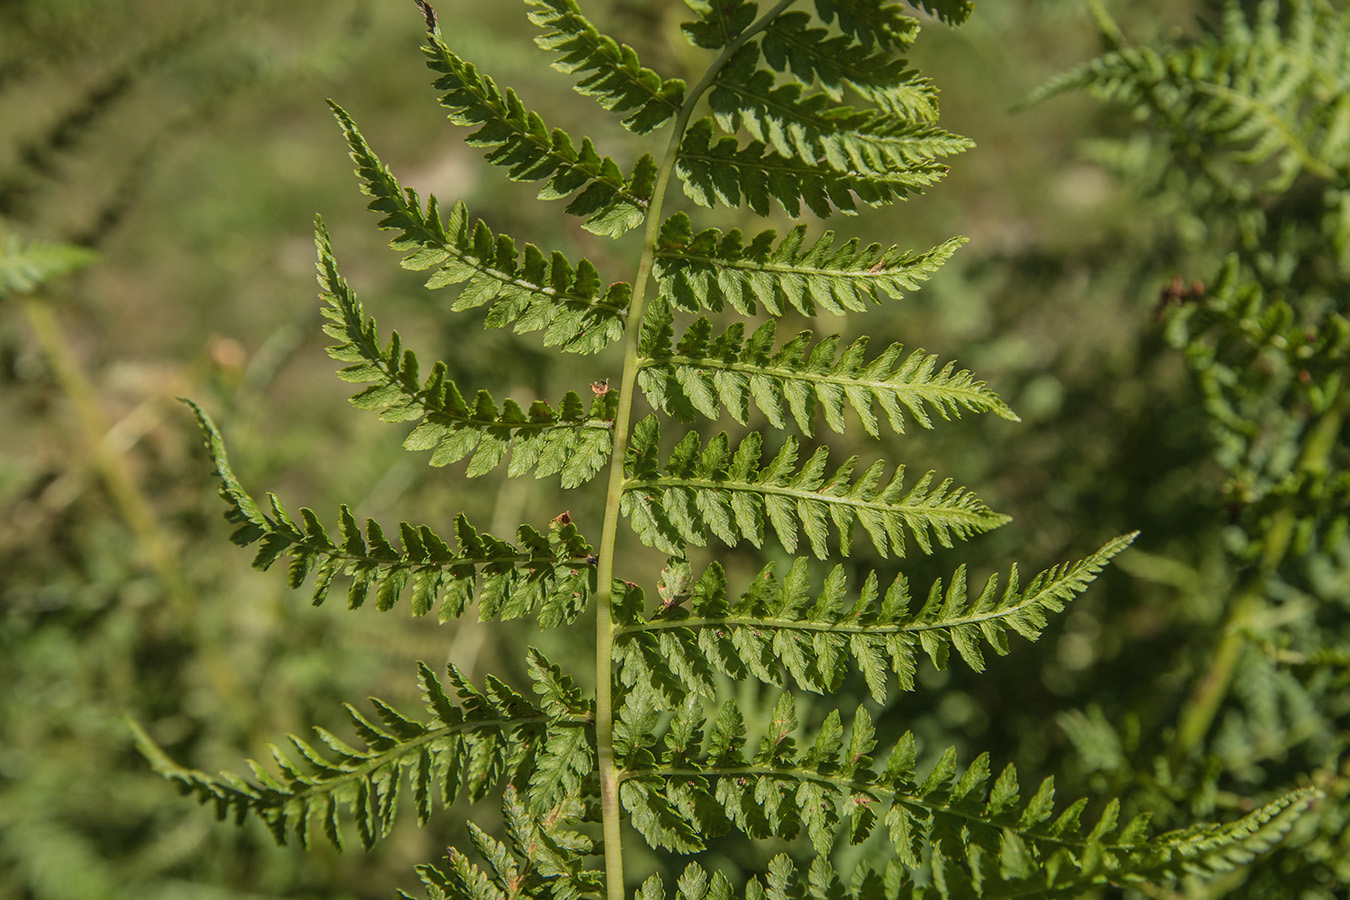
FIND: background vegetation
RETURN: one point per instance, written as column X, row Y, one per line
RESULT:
column 190, row 147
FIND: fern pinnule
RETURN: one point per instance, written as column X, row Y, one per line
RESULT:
column 541, row 855
column 887, row 25
column 26, row 265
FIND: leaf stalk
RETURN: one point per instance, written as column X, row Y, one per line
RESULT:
column 611, row 816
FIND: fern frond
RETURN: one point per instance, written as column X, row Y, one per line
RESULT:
column 837, row 62
column 571, row 305
column 467, row 748
column 541, row 857
column 712, row 268
column 727, row 173
column 614, row 77
column 1270, row 87
column 699, row 781
column 568, row 440
column 729, row 494
column 814, row 129
column 518, row 140
column 26, row 265
column 549, row 574
column 706, row 375
column 779, row 628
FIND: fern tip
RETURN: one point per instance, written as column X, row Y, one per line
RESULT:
column 204, row 419
column 429, row 14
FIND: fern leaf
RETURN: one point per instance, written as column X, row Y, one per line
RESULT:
column 565, row 761
column 559, row 695
column 551, row 575
column 26, row 265
column 814, row 128
column 780, row 628
column 570, row 305
column 466, row 749
column 707, row 374
column 614, row 77
column 729, row 494
column 519, row 141
column 727, row 173
column 837, row 62
column 569, row 439
column 712, row 268
column 981, row 831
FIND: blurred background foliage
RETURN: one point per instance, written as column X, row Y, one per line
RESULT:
column 188, row 144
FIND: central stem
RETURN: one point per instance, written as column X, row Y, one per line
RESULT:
column 611, row 816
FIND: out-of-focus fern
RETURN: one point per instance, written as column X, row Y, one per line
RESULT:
column 1248, row 153
column 26, row 265
column 660, row 747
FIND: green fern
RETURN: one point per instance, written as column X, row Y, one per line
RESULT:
column 1259, row 92
column 26, row 265
column 659, row 745
column 1247, row 135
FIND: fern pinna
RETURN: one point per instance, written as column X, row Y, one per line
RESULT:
column 660, row 748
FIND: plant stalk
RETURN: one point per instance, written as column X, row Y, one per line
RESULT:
column 611, row 814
